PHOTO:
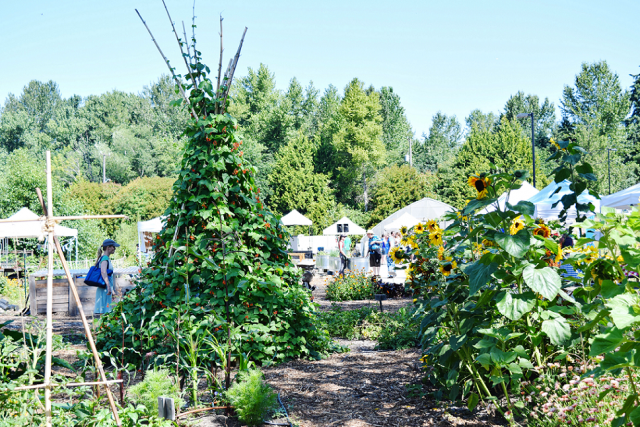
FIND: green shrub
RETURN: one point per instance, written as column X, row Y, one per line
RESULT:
column 156, row 383
column 355, row 285
column 252, row 398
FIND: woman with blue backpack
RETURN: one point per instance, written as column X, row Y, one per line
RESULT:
column 103, row 295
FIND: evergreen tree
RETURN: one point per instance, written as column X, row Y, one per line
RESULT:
column 595, row 108
column 358, row 143
column 297, row 186
column 396, row 129
column 440, row 146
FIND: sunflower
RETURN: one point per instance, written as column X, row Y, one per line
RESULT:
column 419, row 228
column 396, row 254
column 591, row 252
column 403, row 230
column 477, row 248
column 432, row 225
column 412, row 242
column 480, row 184
column 559, row 255
column 542, row 230
column 555, row 143
column 448, row 266
column 441, row 253
column 517, row 224
column 435, row 238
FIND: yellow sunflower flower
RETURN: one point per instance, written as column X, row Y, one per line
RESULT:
column 517, row 224
column 559, row 255
column 555, row 144
column 403, row 230
column 477, row 248
column 542, row 230
column 448, row 267
column 435, row 238
column 441, row 253
column 432, row 225
column 412, row 242
column 480, row 184
column 419, row 228
column 396, row 254
column 591, row 252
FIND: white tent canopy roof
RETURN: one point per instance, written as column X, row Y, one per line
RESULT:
column 29, row 225
column 623, row 199
column 545, row 199
column 295, row 218
column 153, row 225
column 354, row 228
column 525, row 192
column 423, row 210
column 406, row 220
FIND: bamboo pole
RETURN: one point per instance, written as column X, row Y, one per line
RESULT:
column 219, row 63
column 37, row 386
column 189, row 70
column 49, row 333
column 184, row 95
column 66, row 218
column 233, row 70
column 85, row 324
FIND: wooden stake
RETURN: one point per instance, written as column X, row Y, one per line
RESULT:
column 233, row 70
column 219, row 64
column 47, row 366
column 37, row 386
column 74, row 291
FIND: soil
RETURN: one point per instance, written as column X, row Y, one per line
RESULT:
column 362, row 387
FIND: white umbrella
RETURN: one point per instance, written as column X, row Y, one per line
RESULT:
column 405, row 220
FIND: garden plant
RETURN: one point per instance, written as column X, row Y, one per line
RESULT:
column 499, row 311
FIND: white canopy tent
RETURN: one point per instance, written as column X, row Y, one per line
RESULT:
column 145, row 228
column 29, row 225
column 423, row 210
column 295, row 218
column 339, row 228
column 525, row 192
column 624, row 199
column 406, row 220
column 545, row 199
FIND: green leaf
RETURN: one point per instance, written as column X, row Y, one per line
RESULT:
column 472, row 402
column 456, row 341
column 485, row 360
column 524, row 207
column 516, row 245
column 623, row 310
column 525, row 364
column 610, row 289
column 604, row 343
column 479, row 275
column 557, row 329
column 502, row 357
column 544, row 281
column 514, row 306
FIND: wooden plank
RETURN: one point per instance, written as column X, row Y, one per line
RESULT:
column 33, row 304
column 56, row 298
column 56, row 291
column 57, row 308
column 73, row 307
column 57, row 283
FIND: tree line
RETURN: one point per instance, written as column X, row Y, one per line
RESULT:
column 326, row 154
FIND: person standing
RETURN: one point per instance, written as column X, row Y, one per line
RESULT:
column 391, row 243
column 386, row 246
column 103, row 295
column 343, row 255
column 374, row 250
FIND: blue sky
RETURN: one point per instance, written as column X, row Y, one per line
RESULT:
column 449, row 56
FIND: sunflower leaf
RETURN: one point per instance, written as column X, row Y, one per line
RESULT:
column 514, row 306
column 544, row 281
column 524, row 207
column 516, row 245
